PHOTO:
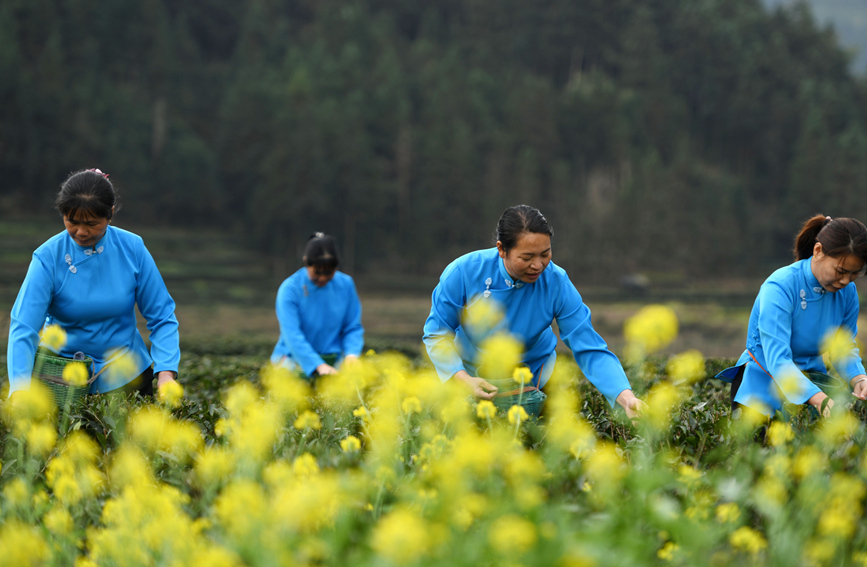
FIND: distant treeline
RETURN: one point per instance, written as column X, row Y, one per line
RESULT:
column 664, row 135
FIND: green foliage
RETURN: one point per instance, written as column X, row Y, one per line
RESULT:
column 407, row 128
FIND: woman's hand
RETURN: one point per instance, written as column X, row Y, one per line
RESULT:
column 324, row 369
column 480, row 388
column 350, row 360
column 859, row 386
column 165, row 377
column 631, row 404
column 817, row 400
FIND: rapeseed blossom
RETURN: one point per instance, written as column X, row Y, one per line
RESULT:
column 512, row 534
column 308, row 420
column 410, row 405
column 402, row 536
column 76, row 374
column 748, row 540
column 350, row 444
column 500, row 354
column 171, row 393
column 22, row 545
column 517, row 415
column 486, row 409
column 53, row 337
column 686, row 367
column 651, row 329
column 780, row 433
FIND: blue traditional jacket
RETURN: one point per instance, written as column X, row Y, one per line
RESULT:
column 790, row 320
column 529, row 309
column 91, row 293
column 317, row 320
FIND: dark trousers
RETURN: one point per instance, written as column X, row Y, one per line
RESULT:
column 143, row 385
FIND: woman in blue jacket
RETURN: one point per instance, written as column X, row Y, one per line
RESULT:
column 319, row 313
column 88, row 280
column 796, row 309
column 532, row 292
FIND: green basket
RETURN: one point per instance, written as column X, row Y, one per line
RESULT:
column 532, row 401
column 50, row 372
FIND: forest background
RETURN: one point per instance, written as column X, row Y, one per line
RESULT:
column 683, row 140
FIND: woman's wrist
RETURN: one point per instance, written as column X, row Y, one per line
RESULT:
column 817, row 399
column 857, row 380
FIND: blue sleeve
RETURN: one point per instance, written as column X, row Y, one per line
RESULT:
column 851, row 365
column 158, row 309
column 775, row 333
column 447, row 301
column 288, row 315
column 26, row 320
column 599, row 364
column 352, row 340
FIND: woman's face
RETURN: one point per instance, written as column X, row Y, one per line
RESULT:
column 84, row 228
column 320, row 275
column 835, row 273
column 528, row 258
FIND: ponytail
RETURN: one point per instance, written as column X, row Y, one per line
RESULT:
column 839, row 237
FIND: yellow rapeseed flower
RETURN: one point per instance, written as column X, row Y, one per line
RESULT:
column 213, row 466
column 780, row 433
column 841, row 425
column 76, row 374
column 604, row 465
column 16, row 493
column 840, row 344
column 486, row 409
column 809, row 461
column 652, row 328
column 522, row 375
column 53, row 337
column 289, row 391
column 41, row 438
column 728, row 512
column 402, row 537
column 350, row 444
column 517, row 414
column 662, row 399
column 58, row 521
column 130, row 468
column 410, row 405
column 687, row 367
column 361, row 412
column 171, row 393
column 33, row 404
column 512, row 534
column 500, row 354
column 748, row 540
column 305, row 465
column 482, row 316
column 22, row 545
column 668, row 551
column 308, row 419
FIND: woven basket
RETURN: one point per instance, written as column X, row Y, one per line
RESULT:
column 50, row 372
column 532, row 401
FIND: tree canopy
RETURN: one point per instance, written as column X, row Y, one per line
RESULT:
column 666, row 135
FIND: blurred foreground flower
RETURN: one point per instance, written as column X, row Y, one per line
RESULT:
column 654, row 327
column 486, row 409
column 171, row 393
column 308, row 420
column 517, row 415
column 53, row 337
column 402, row 536
column 687, row 367
column 76, row 374
column 350, row 444
column 500, row 354
column 748, row 540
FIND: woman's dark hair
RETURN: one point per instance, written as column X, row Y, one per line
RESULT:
column 838, row 237
column 515, row 221
column 87, row 192
column 321, row 250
